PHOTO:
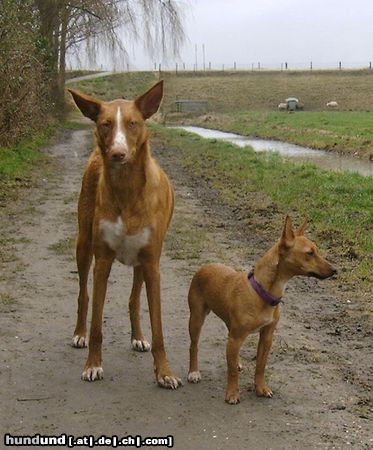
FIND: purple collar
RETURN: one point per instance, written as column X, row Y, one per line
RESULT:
column 259, row 289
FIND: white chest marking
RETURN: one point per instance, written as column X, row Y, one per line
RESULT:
column 126, row 246
column 120, row 139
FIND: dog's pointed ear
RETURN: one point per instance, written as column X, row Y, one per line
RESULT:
column 149, row 102
column 288, row 235
column 300, row 231
column 89, row 106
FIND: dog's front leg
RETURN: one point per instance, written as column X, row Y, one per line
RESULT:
column 93, row 368
column 233, row 351
column 139, row 343
column 164, row 375
column 264, row 347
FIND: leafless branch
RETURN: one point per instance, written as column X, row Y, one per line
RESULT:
column 85, row 10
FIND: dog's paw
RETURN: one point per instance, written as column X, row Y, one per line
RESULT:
column 263, row 391
column 169, row 381
column 194, row 377
column 79, row 341
column 140, row 345
column 232, row 398
column 92, row 374
column 240, row 367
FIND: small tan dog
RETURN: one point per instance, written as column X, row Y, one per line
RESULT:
column 249, row 303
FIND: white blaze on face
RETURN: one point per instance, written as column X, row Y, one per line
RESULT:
column 120, row 139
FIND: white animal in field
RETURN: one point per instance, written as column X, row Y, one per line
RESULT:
column 332, row 104
column 282, row 107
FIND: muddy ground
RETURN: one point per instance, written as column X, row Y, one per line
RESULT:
column 320, row 368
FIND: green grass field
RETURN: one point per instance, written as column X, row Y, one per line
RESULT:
column 347, row 132
column 245, row 91
column 246, row 103
column 339, row 205
column 263, row 91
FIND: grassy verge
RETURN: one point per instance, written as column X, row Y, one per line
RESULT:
column 17, row 161
column 348, row 132
column 339, row 206
column 22, row 167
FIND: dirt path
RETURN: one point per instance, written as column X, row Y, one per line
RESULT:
column 319, row 368
column 91, row 76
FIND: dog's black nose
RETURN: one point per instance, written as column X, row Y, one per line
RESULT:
column 117, row 156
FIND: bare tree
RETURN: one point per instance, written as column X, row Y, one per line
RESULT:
column 101, row 24
column 36, row 35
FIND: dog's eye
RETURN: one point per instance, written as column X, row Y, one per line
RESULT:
column 310, row 253
column 106, row 126
column 131, row 124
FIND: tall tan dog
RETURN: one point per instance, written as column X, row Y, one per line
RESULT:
column 125, row 207
column 249, row 303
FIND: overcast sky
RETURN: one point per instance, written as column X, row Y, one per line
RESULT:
column 272, row 32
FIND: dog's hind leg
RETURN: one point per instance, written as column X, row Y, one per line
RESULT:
column 198, row 313
column 84, row 260
column 137, row 338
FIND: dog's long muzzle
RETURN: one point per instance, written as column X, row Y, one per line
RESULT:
column 322, row 276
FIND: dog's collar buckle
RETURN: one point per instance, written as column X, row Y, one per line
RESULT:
column 259, row 289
